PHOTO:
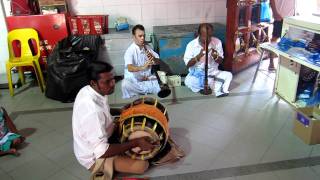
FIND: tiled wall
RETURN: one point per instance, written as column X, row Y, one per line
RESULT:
column 155, row 12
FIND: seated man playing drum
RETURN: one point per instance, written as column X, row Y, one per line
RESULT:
column 92, row 126
column 139, row 58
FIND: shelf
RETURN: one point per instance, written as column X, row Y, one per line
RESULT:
column 242, row 21
column 253, row 28
column 58, row 4
column 273, row 48
column 244, row 3
column 309, row 23
column 51, row 2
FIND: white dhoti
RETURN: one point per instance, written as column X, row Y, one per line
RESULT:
column 132, row 87
column 219, row 83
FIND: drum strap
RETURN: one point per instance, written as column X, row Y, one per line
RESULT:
column 173, row 155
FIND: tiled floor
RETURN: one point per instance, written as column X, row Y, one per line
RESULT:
column 245, row 136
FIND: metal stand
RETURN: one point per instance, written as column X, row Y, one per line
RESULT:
column 260, row 60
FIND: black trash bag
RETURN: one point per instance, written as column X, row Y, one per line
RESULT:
column 67, row 66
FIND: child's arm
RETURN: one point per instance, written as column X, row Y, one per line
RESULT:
column 12, row 128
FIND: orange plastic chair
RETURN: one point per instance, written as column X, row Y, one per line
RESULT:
column 25, row 37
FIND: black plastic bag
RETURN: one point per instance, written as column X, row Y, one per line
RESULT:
column 67, row 65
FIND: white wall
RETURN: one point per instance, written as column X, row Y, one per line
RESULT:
column 147, row 12
column 154, row 12
column 304, row 8
column 4, row 54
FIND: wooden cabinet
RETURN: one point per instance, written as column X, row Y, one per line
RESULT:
column 244, row 33
column 288, row 76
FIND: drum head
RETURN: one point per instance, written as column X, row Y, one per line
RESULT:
column 139, row 134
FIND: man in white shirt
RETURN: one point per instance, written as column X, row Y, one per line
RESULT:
column 139, row 58
column 280, row 9
column 194, row 58
column 92, row 125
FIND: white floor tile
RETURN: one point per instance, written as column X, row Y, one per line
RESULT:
column 62, row 175
column 78, row 171
column 5, row 176
column 316, row 169
column 38, row 168
column 297, row 174
column 229, row 178
column 259, row 176
column 48, row 142
column 62, row 155
column 9, row 162
column 287, row 146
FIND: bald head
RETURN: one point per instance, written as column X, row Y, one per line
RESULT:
column 205, row 30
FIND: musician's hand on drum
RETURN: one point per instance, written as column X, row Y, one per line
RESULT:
column 144, row 143
column 150, row 140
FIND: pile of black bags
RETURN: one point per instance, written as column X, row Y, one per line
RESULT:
column 67, row 65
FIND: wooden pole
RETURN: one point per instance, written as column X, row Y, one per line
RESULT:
column 206, row 90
